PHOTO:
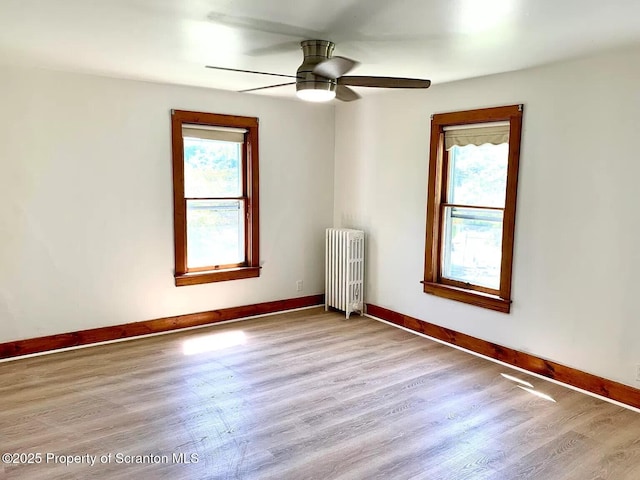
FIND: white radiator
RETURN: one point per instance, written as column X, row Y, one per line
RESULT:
column 344, row 270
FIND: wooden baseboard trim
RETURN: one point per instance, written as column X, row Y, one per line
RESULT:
column 571, row 376
column 118, row 332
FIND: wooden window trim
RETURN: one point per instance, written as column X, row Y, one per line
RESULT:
column 433, row 282
column 251, row 267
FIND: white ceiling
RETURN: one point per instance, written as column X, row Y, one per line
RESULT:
column 442, row 40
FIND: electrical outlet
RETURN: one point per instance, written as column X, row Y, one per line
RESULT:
column 638, row 372
column 299, row 285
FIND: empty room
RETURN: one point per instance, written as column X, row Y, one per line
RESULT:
column 319, row 240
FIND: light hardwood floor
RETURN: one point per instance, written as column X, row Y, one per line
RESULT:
column 308, row 395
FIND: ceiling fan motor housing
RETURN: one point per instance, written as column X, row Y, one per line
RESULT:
column 314, row 51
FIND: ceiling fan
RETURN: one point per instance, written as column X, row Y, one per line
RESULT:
column 321, row 77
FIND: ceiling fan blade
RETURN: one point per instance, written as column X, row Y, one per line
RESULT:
column 346, row 94
column 250, row 71
column 384, row 82
column 284, row 47
column 259, row 25
column 334, row 67
column 263, row 88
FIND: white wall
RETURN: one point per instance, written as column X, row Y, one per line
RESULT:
column 86, row 219
column 577, row 253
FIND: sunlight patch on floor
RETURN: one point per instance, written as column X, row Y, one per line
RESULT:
column 538, row 394
column 213, row 342
column 528, row 387
column 517, row 380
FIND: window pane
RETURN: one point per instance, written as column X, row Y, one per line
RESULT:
column 478, row 175
column 472, row 246
column 212, row 168
column 215, row 232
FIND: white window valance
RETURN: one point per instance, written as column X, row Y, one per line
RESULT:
column 476, row 134
column 224, row 134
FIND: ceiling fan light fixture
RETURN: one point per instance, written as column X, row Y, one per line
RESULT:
column 316, row 95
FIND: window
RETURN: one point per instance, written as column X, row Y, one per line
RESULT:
column 215, row 188
column 473, row 176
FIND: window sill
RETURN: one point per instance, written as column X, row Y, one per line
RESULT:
column 471, row 297
column 196, row 278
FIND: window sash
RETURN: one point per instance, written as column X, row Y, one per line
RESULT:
column 225, row 243
column 456, row 160
column 482, row 242
column 198, row 185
